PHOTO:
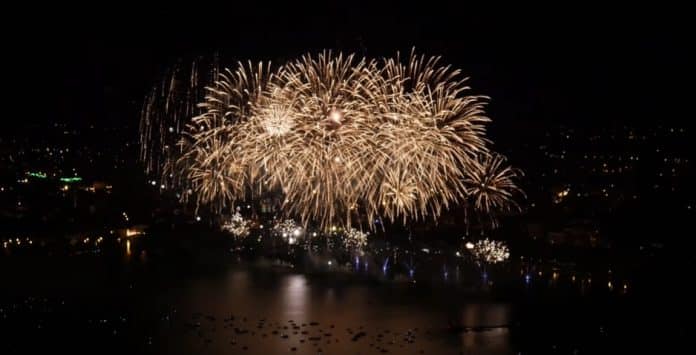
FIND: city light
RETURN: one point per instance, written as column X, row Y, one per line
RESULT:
column 37, row 175
column 71, row 179
column 133, row 232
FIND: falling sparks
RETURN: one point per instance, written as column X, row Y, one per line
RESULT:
column 167, row 108
column 342, row 138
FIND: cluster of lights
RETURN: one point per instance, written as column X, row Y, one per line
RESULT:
column 558, row 198
column 40, row 175
column 16, row 241
column 97, row 240
column 71, row 179
column 28, row 241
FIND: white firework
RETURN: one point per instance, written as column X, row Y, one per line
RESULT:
column 238, row 226
column 355, row 239
column 289, row 230
column 490, row 251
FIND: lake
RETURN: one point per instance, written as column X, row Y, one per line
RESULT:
column 215, row 304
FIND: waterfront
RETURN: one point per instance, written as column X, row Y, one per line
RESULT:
column 215, row 304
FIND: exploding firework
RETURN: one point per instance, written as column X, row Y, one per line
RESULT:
column 490, row 251
column 354, row 240
column 491, row 184
column 289, row 230
column 238, row 226
column 342, row 139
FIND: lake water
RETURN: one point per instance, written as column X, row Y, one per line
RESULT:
column 105, row 304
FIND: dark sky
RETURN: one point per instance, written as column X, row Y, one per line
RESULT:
column 538, row 65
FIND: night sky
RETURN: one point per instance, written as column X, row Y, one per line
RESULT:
column 579, row 66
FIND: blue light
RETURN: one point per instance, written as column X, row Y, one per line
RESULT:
column 527, row 278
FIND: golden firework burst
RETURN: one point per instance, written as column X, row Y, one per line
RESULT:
column 343, row 139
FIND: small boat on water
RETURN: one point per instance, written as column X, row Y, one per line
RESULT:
column 453, row 327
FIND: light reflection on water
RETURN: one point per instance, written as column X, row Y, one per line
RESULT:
column 377, row 309
column 295, row 298
column 146, row 285
column 140, row 289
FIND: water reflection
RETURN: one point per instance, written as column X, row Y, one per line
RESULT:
column 486, row 328
column 199, row 304
column 485, row 315
column 397, row 319
column 295, row 296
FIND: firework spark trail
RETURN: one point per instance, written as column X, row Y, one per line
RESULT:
column 342, row 138
column 166, row 109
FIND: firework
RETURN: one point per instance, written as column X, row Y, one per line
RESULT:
column 289, row 230
column 237, row 226
column 491, row 184
column 354, row 240
column 343, row 139
column 490, row 251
